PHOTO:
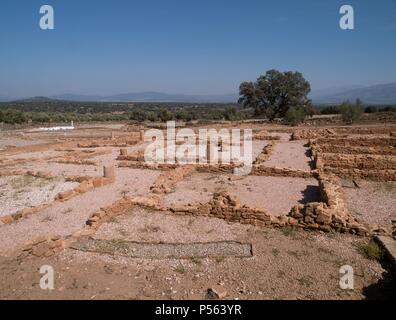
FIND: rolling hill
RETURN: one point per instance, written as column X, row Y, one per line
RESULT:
column 377, row 94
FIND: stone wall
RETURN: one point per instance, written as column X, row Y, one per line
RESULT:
column 86, row 184
column 331, row 148
column 42, row 247
column 359, row 161
column 261, row 170
column 166, row 182
column 332, row 214
column 265, row 135
column 358, row 142
column 304, row 134
column 77, row 161
column 266, row 153
column 379, row 167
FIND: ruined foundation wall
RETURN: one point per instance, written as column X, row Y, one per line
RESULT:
column 378, row 167
column 332, row 214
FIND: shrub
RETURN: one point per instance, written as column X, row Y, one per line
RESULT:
column 372, row 251
column 350, row 113
column 13, row 116
column 295, row 116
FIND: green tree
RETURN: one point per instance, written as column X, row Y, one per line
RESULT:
column 13, row 116
column 295, row 116
column 165, row 115
column 232, row 114
column 138, row 115
column 351, row 113
column 274, row 93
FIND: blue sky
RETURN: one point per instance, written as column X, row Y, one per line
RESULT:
column 192, row 47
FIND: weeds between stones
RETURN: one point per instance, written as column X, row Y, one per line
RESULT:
column 372, row 251
column 290, row 231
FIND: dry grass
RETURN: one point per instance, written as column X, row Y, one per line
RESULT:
column 290, row 231
column 372, row 251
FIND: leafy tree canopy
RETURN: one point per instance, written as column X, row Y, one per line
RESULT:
column 274, row 93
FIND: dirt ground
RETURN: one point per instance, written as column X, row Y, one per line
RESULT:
column 284, row 263
column 254, row 191
column 375, row 202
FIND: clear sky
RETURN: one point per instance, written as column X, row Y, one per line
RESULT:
column 190, row 46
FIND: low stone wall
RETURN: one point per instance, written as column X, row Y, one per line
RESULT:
column 261, row 170
column 257, row 170
column 227, row 207
column 264, row 135
column 359, row 161
column 375, row 175
column 370, row 130
column 98, row 218
column 358, row 142
column 150, row 166
column 23, row 213
column 42, row 247
column 77, row 162
column 332, row 214
column 116, row 142
column 266, row 153
column 363, row 166
column 86, row 184
column 305, row 134
column 36, row 174
column 331, row 148
column 166, row 182
column 136, row 156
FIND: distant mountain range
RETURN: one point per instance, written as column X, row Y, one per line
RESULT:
column 377, row 94
column 150, row 96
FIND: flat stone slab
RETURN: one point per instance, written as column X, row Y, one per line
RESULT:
column 390, row 246
column 164, row 250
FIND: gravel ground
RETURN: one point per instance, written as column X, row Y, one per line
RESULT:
column 19, row 192
column 36, row 155
column 151, row 226
column 301, row 265
column 290, row 155
column 65, row 218
column 164, row 250
column 108, row 159
column 286, row 264
column 66, row 169
column 199, row 187
column 283, row 135
column 275, row 194
column 374, row 202
column 12, row 141
column 257, row 148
